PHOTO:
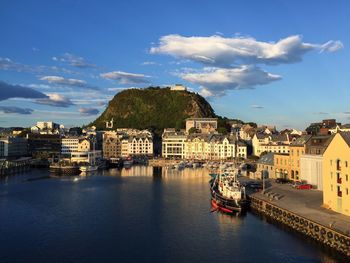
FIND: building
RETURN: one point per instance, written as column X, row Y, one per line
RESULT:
column 242, row 149
column 178, row 87
column 265, row 166
column 317, row 144
column 340, row 128
column 282, row 165
column 13, row 147
column 203, row 125
column 297, row 148
column 44, row 145
column 75, row 144
column 277, row 143
column 336, row 171
column 311, row 170
column 213, row 147
column 173, row 144
column 112, row 144
column 137, row 144
column 47, row 127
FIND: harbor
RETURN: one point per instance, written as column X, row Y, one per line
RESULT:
column 170, row 212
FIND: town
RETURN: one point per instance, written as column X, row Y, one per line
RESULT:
column 316, row 158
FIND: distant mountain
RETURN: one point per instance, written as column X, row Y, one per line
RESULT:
column 153, row 108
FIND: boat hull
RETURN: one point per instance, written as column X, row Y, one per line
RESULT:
column 225, row 204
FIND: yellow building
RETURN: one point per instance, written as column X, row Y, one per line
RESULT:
column 282, row 165
column 336, row 170
column 296, row 149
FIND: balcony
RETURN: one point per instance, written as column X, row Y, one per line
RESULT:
column 339, row 180
column 340, row 194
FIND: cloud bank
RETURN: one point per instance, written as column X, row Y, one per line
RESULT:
column 125, row 77
column 68, row 82
column 8, row 91
column 224, row 52
column 17, row 110
column 216, row 81
column 55, row 100
column 88, row 111
column 235, row 63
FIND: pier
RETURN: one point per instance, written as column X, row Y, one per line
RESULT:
column 302, row 211
column 8, row 167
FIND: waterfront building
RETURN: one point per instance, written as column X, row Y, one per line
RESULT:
column 265, row 166
column 297, row 148
column 213, row 147
column 277, row 143
column 13, row 147
column 112, row 144
column 203, row 125
column 282, row 165
column 85, row 156
column 173, row 143
column 137, row 144
column 44, row 145
column 336, row 171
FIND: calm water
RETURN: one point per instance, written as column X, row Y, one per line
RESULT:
column 136, row 215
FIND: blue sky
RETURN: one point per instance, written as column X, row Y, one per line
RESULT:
column 272, row 62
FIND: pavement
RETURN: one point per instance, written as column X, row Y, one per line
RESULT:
column 306, row 203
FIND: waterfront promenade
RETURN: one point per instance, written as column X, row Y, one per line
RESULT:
column 306, row 203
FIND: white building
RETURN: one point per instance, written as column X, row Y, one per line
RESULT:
column 75, row 144
column 311, row 170
column 173, row 144
column 11, row 146
column 276, row 143
column 47, row 127
column 178, row 87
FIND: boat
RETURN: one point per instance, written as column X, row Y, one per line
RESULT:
column 128, row 162
column 64, row 168
column 227, row 194
column 88, row 168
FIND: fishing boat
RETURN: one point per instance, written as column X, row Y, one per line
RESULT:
column 128, row 162
column 227, row 194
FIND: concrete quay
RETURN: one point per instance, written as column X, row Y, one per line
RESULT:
column 302, row 211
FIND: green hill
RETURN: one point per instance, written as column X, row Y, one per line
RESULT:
column 153, row 108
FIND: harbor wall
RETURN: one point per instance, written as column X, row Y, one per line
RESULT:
column 322, row 234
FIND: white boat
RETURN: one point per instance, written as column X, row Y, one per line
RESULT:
column 88, row 168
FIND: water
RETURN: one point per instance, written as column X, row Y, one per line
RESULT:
column 135, row 215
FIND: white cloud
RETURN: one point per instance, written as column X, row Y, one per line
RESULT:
column 225, row 52
column 125, row 77
column 74, row 61
column 150, row 63
column 255, row 106
column 67, row 82
column 55, row 100
column 216, row 81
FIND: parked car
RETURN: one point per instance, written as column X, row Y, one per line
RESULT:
column 282, row 181
column 304, row 186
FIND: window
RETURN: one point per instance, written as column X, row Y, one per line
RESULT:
column 331, row 187
column 331, row 162
column 346, row 164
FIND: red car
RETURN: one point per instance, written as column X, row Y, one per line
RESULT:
column 304, row 186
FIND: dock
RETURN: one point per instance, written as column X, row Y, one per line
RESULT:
column 302, row 211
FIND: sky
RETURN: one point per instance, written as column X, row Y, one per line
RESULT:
column 283, row 63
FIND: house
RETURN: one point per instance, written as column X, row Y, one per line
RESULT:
column 265, row 166
column 297, row 148
column 282, row 165
column 336, row 171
